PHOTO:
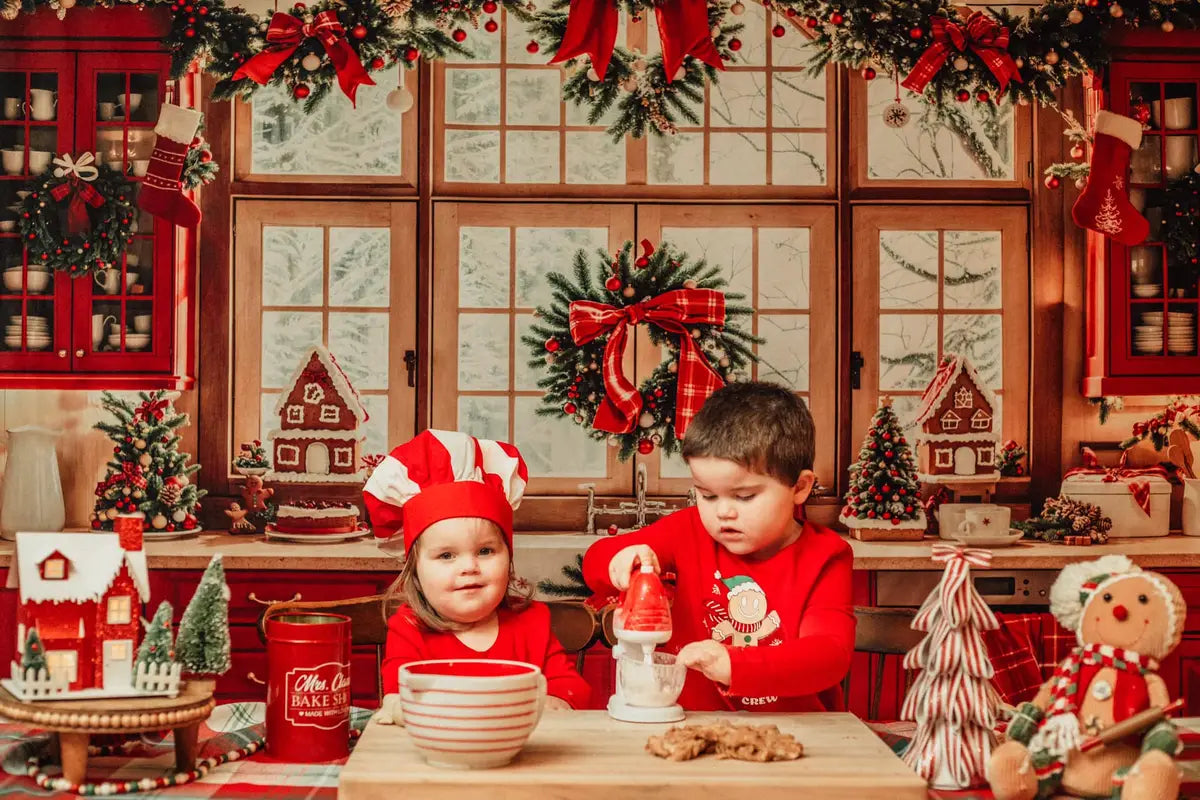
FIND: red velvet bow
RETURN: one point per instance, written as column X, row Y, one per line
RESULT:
column 83, row 194
column 682, row 26
column 1140, row 489
column 155, row 408
column 985, row 37
column 286, row 33
column 672, row 311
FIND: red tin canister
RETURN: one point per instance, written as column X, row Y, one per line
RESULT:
column 308, row 686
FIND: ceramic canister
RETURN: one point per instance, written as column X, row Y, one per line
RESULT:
column 308, row 686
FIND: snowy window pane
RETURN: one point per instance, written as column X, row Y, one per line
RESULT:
column 905, row 406
column 731, row 249
column 483, row 267
column 292, row 261
column 286, row 337
column 526, row 377
column 360, row 266
column 360, row 343
column 964, row 141
column 472, row 156
column 484, row 417
column 676, row 160
column 268, row 420
column 798, row 159
column 908, row 269
column 375, row 429
column 784, row 357
column 473, row 96
column 797, row 100
column 979, row 337
column 541, row 251
column 908, row 350
column 533, row 97
column 739, row 100
column 556, row 447
column 673, row 466
column 737, row 159
column 783, row 264
column 972, row 269
column 593, row 157
column 531, row 157
column 483, row 352
column 335, row 139
column 482, row 47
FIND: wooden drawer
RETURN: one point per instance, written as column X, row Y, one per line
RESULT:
column 251, row 592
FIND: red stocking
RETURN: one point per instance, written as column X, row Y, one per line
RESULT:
column 162, row 193
column 1104, row 205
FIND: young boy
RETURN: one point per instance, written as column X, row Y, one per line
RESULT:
column 762, row 612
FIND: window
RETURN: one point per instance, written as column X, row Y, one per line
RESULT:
column 341, row 274
column 288, row 455
column 117, row 651
column 342, row 456
column 981, row 421
column 986, row 456
column 54, row 569
column 950, row 421
column 119, row 610
column 330, row 413
column 313, row 393
column 943, row 457
column 63, row 663
column 963, row 398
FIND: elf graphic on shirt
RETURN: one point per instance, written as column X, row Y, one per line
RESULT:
column 749, row 621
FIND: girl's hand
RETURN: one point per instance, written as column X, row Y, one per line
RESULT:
column 708, row 657
column 623, row 562
column 556, row 704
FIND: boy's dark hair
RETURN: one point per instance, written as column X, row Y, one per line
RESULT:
column 759, row 425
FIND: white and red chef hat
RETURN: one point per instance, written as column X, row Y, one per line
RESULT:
column 440, row 475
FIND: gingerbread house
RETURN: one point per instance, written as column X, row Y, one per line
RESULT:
column 83, row 593
column 955, row 425
column 319, row 438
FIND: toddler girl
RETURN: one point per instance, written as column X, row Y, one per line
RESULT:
column 453, row 496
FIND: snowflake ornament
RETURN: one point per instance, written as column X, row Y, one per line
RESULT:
column 896, row 115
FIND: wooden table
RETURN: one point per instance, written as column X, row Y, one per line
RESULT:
column 76, row 720
column 586, row 755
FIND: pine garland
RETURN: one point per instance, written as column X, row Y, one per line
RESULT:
column 572, row 585
column 42, row 230
column 574, row 385
column 198, row 166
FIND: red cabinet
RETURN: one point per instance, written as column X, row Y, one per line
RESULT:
column 91, row 83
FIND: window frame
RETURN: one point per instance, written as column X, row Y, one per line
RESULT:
column 121, row 606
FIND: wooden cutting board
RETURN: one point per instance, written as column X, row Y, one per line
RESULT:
column 586, row 755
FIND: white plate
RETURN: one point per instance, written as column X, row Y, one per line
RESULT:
column 316, row 537
column 152, row 535
column 1000, row 540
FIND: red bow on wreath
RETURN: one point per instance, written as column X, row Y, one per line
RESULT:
column 682, row 26
column 672, row 311
column 76, row 185
column 982, row 34
column 155, row 408
column 1140, row 489
column 286, row 33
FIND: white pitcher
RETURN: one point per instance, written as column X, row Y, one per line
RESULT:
column 33, row 498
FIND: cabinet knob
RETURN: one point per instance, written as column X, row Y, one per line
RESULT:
column 62, row 353
column 79, row 353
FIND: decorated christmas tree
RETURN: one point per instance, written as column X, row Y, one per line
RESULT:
column 147, row 472
column 33, row 655
column 157, row 647
column 884, row 492
column 203, row 642
column 952, row 700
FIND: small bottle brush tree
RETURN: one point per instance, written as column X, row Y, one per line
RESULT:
column 157, row 646
column 202, row 646
column 33, row 654
column 884, row 491
column 147, row 472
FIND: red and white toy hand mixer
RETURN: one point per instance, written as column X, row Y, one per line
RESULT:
column 648, row 682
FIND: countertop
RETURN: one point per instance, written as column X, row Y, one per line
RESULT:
column 542, row 555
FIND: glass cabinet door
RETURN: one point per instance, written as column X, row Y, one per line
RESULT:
column 37, row 95
column 1156, row 284
column 123, row 313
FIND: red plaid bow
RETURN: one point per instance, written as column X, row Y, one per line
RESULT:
column 671, row 311
column 83, row 194
column 682, row 26
column 986, row 38
column 286, row 33
column 133, row 475
column 1138, row 488
column 155, row 408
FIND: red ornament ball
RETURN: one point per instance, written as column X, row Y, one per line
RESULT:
column 301, row 91
column 532, row 47
column 412, row 54
column 836, row 18
column 871, row 514
column 812, row 22
column 645, row 447
column 735, row 44
column 613, row 284
column 489, row 7
column 189, row 33
column 778, row 31
column 377, row 63
column 962, row 95
column 170, row 526
column 868, row 73
column 887, row 436
column 983, row 96
column 642, row 262
column 612, row 530
column 915, row 33
column 459, row 35
column 1052, row 182
column 490, row 26
column 569, row 408
column 889, row 454
column 359, row 31
column 202, row 11
column 552, row 345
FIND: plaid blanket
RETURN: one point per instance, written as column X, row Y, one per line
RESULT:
column 230, row 727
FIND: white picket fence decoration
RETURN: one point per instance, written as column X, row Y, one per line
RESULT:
column 38, row 683
column 157, row 677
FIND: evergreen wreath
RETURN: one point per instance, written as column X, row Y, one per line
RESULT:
column 42, row 229
column 198, row 165
column 574, row 386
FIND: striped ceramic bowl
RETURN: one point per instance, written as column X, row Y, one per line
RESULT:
column 473, row 713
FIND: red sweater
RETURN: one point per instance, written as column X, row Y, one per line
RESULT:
column 524, row 635
column 793, row 633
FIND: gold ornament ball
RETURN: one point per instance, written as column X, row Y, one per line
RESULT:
column 1167, row 26
column 159, row 521
column 591, row 397
column 311, row 62
column 1020, row 62
column 125, row 491
column 1116, row 10
column 715, row 31
column 67, row 3
column 639, row 65
column 629, row 84
column 1051, row 57
column 111, row 513
column 592, row 75
column 144, row 459
column 1075, row 16
column 724, row 361
column 628, row 291
column 399, row 100
column 961, row 63
column 138, row 494
column 1080, row 183
column 672, row 367
column 180, row 515
column 646, row 420
column 578, row 419
column 689, row 284
column 737, row 9
column 614, row 441
column 550, row 359
column 140, row 444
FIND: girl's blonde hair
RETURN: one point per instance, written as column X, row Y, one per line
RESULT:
column 406, row 589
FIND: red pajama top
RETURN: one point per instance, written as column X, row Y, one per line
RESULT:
column 524, row 635
column 788, row 621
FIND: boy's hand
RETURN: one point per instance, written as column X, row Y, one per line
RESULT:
column 709, row 657
column 622, row 564
column 556, row 703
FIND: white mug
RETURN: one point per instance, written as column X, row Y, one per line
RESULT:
column 990, row 521
column 106, row 111
column 41, row 103
column 39, row 160
column 141, row 323
column 13, row 108
column 108, row 279
column 130, row 102
column 13, row 161
column 99, row 323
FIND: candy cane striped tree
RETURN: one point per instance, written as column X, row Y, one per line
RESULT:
column 952, row 701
